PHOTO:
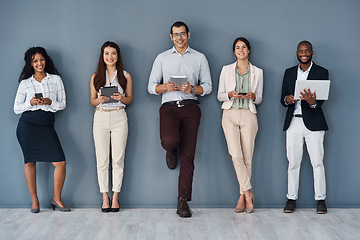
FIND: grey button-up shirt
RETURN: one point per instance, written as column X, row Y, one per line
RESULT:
column 192, row 64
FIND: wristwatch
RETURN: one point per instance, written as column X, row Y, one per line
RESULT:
column 192, row 89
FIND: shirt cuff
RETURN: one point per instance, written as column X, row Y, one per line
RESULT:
column 152, row 89
column 313, row 106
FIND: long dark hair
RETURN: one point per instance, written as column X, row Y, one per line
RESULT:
column 100, row 77
column 28, row 70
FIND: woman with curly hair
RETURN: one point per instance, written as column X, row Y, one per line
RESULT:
column 40, row 95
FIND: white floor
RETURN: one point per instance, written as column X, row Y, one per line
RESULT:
column 144, row 224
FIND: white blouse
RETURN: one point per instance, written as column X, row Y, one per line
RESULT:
column 115, row 83
column 51, row 87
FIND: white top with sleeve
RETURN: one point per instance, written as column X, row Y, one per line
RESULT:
column 51, row 87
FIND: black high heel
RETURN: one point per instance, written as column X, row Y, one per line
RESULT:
column 116, row 209
column 62, row 209
column 35, row 210
column 105, row 210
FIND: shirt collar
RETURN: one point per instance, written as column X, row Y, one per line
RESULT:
column 307, row 70
column 33, row 78
column 247, row 71
column 188, row 50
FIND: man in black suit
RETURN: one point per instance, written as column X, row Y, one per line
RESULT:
column 304, row 120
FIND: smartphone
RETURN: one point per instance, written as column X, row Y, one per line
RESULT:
column 241, row 93
column 38, row 95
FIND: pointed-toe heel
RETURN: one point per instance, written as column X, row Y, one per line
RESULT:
column 251, row 210
column 62, row 209
column 239, row 210
column 106, row 210
column 116, row 209
column 35, row 210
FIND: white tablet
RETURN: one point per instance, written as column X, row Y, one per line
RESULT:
column 179, row 80
column 321, row 88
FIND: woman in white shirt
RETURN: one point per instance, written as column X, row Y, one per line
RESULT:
column 110, row 121
column 240, row 89
column 40, row 94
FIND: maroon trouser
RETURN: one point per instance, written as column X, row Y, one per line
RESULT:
column 178, row 128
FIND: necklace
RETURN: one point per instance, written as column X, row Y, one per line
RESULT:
column 39, row 78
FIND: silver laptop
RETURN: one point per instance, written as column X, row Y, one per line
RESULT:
column 321, row 88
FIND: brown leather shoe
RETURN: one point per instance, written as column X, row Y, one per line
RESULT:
column 183, row 208
column 171, row 159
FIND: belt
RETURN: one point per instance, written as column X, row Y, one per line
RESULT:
column 181, row 103
column 298, row 115
column 108, row 109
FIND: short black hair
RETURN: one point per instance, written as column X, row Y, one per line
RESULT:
column 305, row 42
column 179, row 24
column 242, row 39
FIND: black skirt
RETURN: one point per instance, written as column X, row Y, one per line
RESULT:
column 37, row 137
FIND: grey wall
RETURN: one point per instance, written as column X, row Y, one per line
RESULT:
column 73, row 32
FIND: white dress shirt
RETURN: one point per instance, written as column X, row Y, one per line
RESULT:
column 301, row 75
column 51, row 87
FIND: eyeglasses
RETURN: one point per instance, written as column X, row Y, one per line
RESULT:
column 182, row 34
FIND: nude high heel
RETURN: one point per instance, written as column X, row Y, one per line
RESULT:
column 251, row 210
column 240, row 209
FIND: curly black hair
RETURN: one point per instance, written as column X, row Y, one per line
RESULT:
column 28, row 70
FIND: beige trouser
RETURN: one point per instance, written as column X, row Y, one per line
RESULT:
column 110, row 126
column 240, row 127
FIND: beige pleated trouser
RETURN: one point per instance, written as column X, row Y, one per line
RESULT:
column 110, row 127
column 240, row 128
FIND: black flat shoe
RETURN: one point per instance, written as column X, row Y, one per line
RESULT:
column 116, row 209
column 290, row 206
column 321, row 207
column 106, row 210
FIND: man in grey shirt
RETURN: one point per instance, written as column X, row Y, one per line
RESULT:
column 179, row 112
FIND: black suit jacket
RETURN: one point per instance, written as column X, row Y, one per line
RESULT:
column 314, row 118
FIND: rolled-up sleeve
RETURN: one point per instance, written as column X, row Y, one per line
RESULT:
column 205, row 77
column 60, row 102
column 156, row 76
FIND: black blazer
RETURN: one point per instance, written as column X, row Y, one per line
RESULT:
column 314, row 118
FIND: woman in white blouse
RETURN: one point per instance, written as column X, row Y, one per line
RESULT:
column 240, row 89
column 40, row 94
column 110, row 121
